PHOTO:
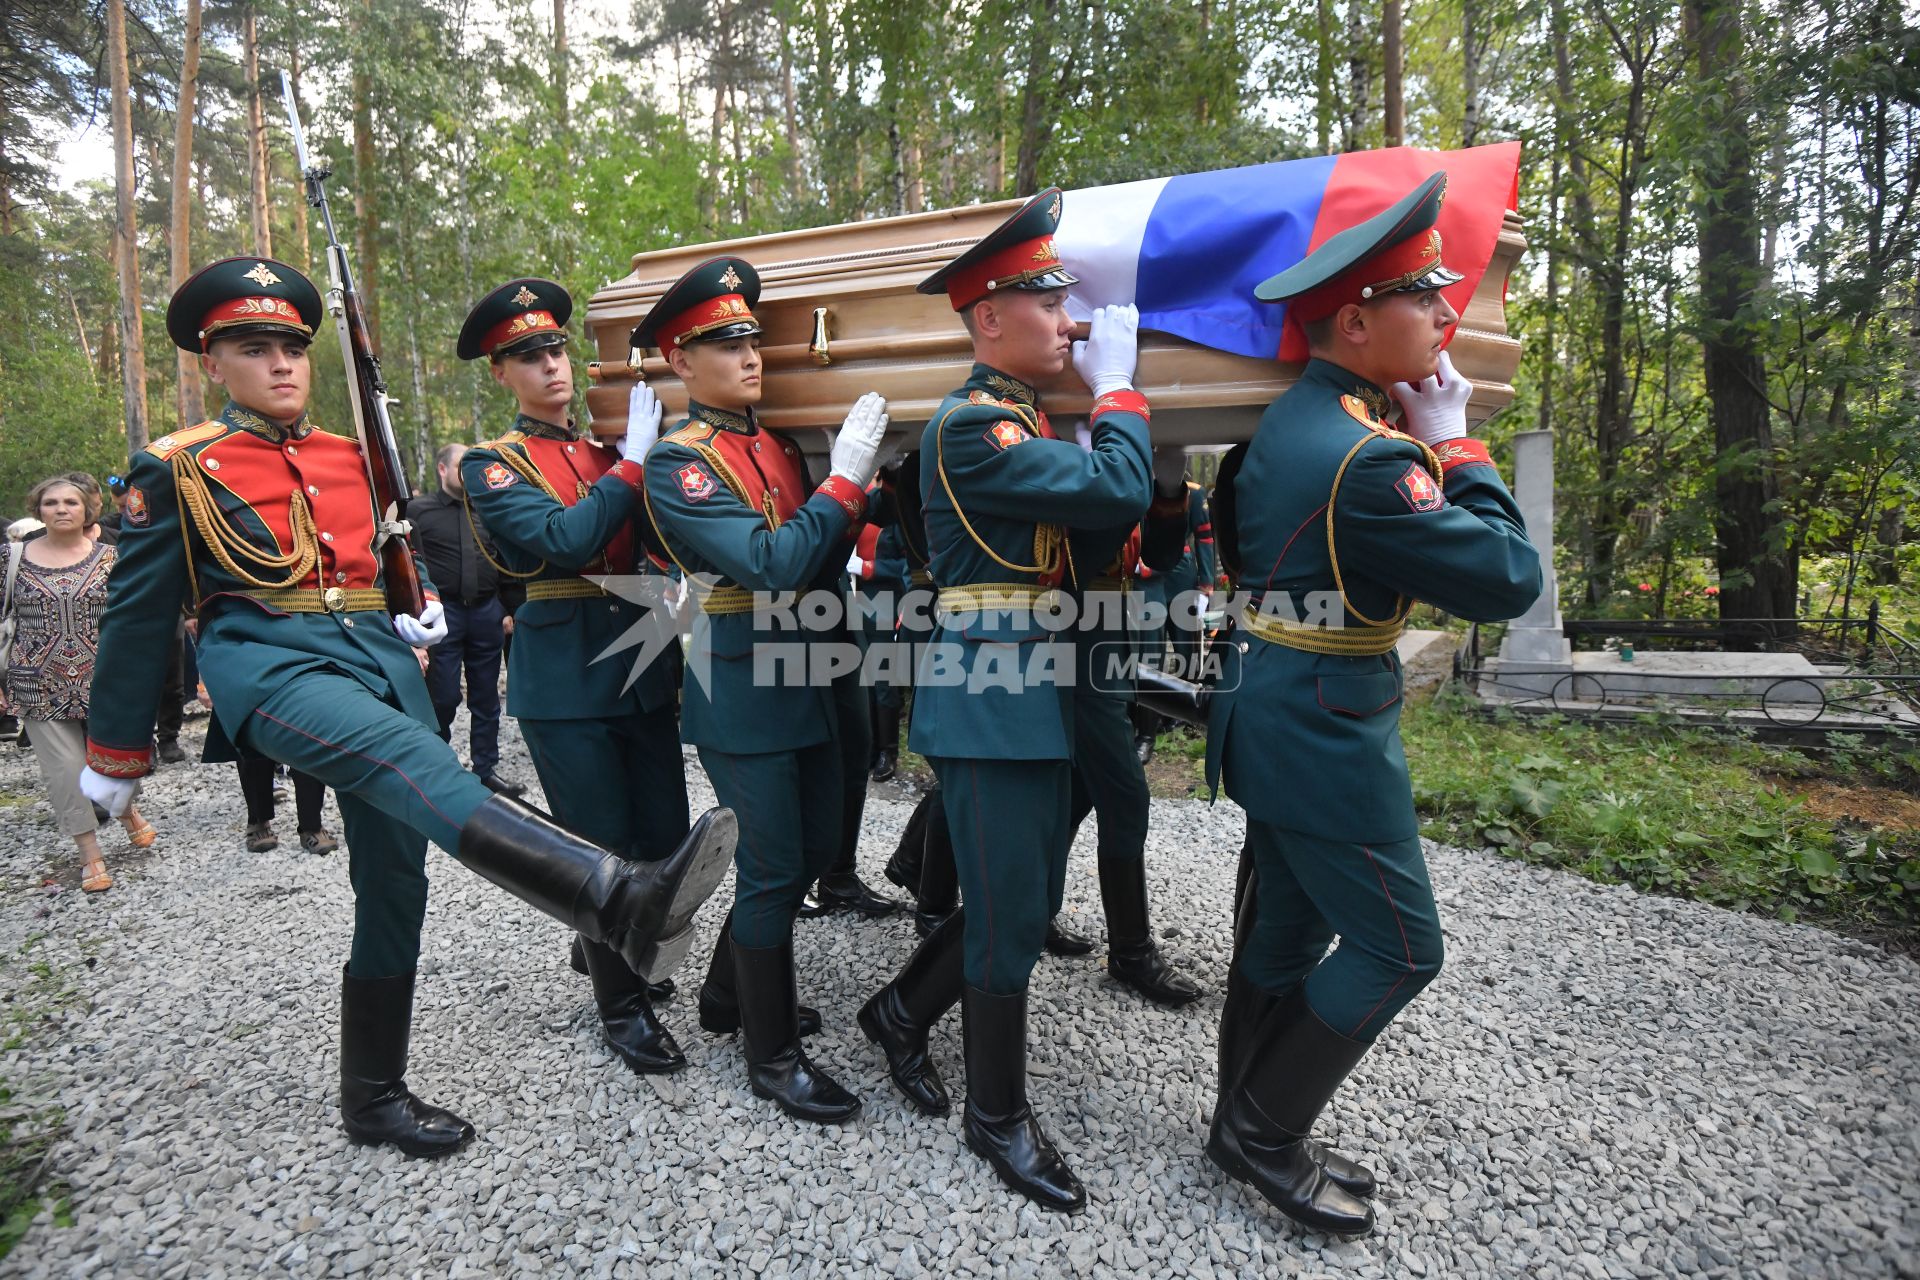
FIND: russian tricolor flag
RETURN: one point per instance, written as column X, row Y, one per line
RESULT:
column 1188, row 251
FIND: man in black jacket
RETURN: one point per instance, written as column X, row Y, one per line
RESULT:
column 462, row 565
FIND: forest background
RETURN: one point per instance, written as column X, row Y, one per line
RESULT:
column 1719, row 305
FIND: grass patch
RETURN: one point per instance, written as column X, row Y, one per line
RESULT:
column 1667, row 809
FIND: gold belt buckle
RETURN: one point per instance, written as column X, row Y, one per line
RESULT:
column 334, row 599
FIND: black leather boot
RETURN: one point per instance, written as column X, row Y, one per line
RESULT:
column 626, row 1015
column 376, row 1020
column 886, row 741
column 1132, row 956
column 720, row 1004
column 842, row 889
column 643, row 910
column 1294, row 1063
column 777, row 1067
column 1062, row 941
column 658, row 992
column 1243, row 1009
column 938, row 893
column 902, row 1013
column 903, row 868
column 999, row 1124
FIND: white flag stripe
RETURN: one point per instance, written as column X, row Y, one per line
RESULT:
column 1101, row 229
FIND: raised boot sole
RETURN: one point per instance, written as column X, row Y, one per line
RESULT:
column 715, row 836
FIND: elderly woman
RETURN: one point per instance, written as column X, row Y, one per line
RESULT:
column 57, row 589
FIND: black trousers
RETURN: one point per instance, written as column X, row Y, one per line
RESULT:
column 256, row 784
column 475, row 634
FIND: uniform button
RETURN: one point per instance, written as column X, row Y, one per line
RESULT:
column 313, row 489
column 776, row 491
column 340, row 576
column 569, row 448
column 1243, row 646
column 326, row 537
column 293, row 449
column 346, row 622
column 756, row 446
column 213, row 464
column 613, row 608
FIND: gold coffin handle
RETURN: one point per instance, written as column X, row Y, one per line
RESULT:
column 818, row 347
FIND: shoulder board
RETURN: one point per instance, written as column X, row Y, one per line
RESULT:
column 512, row 437
column 1357, row 410
column 168, row 445
column 983, row 397
column 695, row 432
column 1193, row 484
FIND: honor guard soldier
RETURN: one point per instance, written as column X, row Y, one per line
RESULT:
column 268, row 528
column 562, row 508
column 1183, row 590
column 735, row 508
column 1333, row 509
column 1000, row 492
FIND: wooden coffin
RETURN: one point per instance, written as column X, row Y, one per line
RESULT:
column 841, row 318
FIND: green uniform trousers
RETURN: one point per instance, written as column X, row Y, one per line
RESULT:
column 1376, row 898
column 398, row 786
column 620, row 781
column 1010, row 828
column 789, row 806
column 1108, row 777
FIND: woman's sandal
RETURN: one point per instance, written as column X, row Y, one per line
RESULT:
column 144, row 837
column 94, row 877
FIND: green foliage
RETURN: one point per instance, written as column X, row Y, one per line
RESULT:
column 1667, row 810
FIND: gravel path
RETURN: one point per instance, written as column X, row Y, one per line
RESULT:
column 1600, row 1084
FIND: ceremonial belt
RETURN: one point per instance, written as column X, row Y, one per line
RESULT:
column 980, row 596
column 321, row 600
column 921, row 578
column 720, row 601
column 564, row 589
column 1110, row 584
column 1358, row 642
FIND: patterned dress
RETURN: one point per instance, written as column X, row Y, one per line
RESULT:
column 58, row 631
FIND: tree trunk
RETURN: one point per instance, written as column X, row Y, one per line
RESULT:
column 1324, row 106
column 1747, row 542
column 256, row 135
column 366, row 202
column 1359, row 74
column 303, row 252
column 790, row 112
column 1612, row 418
column 560, row 65
column 1035, row 128
column 126, row 243
column 1470, row 72
column 188, row 396
column 1395, row 108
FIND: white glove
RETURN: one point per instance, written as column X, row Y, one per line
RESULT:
column 1105, row 360
column 425, row 631
column 1169, row 470
column 643, row 423
column 1083, row 435
column 855, row 565
column 111, row 794
column 1436, row 409
column 855, row 453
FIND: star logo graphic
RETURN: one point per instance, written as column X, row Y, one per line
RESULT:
column 526, row 297
column 667, row 611
column 730, row 277
column 263, row 274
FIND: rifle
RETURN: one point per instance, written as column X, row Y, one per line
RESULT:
column 366, row 391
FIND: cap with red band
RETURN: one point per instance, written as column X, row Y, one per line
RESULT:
column 712, row 302
column 1017, row 254
column 242, row 295
column 521, row 315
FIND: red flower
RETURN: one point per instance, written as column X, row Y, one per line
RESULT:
column 1646, row 586
column 1713, row 591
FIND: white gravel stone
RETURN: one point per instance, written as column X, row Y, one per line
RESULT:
column 1599, row 1083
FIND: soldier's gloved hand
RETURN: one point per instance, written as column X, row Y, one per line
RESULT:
column 855, row 454
column 425, row 631
column 111, row 794
column 1436, row 409
column 643, row 423
column 856, row 566
column 1106, row 359
column 1169, row 470
column 1083, row 435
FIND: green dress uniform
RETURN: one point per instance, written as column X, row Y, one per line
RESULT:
column 736, row 510
column 1338, row 524
column 269, row 531
column 561, row 508
column 994, row 704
